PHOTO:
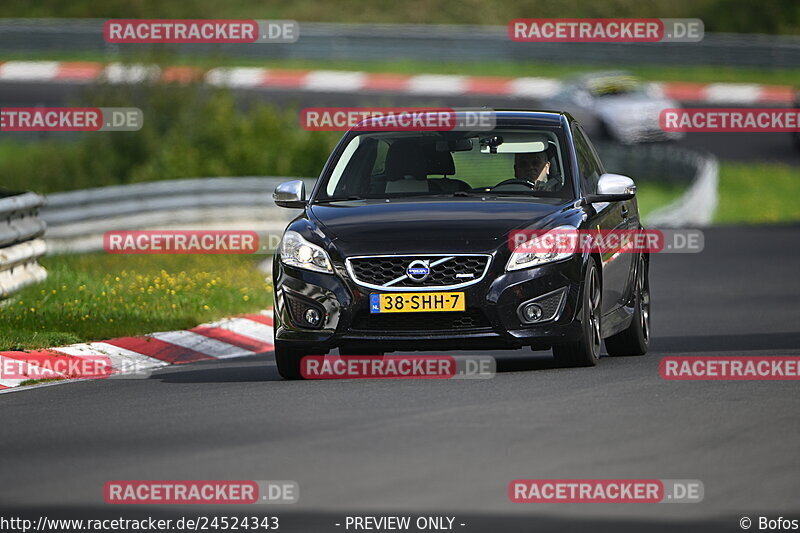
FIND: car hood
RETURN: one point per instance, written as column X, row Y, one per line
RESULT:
column 460, row 223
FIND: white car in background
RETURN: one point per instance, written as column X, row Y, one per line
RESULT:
column 616, row 104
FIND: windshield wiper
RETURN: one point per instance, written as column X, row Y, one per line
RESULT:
column 338, row 199
column 472, row 193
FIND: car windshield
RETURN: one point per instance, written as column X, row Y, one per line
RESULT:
column 615, row 86
column 526, row 163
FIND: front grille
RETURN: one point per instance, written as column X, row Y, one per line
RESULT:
column 452, row 270
column 445, row 321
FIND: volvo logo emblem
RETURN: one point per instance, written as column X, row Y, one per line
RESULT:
column 418, row 270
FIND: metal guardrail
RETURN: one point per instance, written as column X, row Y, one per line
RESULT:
column 21, row 244
column 77, row 220
column 674, row 165
column 327, row 41
column 696, row 206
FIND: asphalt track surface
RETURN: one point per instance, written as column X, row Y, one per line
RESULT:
column 743, row 147
column 431, row 447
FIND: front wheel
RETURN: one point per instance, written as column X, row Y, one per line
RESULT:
column 586, row 350
column 288, row 360
column 635, row 340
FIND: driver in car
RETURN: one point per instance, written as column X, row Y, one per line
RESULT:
column 534, row 168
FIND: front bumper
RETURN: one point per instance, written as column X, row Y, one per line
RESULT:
column 642, row 133
column 491, row 320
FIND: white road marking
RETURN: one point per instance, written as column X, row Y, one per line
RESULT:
column 238, row 77
column 122, row 360
column 437, row 84
column 326, row 80
column 30, row 370
column 738, row 93
column 246, row 328
column 126, row 361
column 534, row 87
column 331, row 80
column 202, row 344
column 29, row 70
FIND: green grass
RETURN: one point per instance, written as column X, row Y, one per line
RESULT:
column 684, row 73
column 98, row 296
column 749, row 193
column 758, row 194
column 28, row 382
column 42, row 166
column 651, row 196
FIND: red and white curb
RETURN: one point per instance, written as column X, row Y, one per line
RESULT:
column 363, row 82
column 241, row 336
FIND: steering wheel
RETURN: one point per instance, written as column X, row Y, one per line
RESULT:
column 516, row 181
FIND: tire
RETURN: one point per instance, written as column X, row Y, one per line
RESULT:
column 288, row 361
column 635, row 340
column 586, row 350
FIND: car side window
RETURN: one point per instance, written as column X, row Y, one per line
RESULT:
column 379, row 167
column 588, row 163
column 595, row 157
column 358, row 171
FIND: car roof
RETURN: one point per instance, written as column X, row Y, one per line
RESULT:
column 511, row 117
column 589, row 77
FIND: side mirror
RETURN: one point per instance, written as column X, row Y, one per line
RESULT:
column 613, row 188
column 290, row 194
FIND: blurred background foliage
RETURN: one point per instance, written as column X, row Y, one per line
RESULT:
column 743, row 16
column 189, row 131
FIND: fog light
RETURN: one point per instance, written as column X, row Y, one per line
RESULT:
column 532, row 312
column 312, row 316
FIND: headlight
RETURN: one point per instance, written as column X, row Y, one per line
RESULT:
column 299, row 253
column 544, row 247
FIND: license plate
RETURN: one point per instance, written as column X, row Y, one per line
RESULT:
column 416, row 302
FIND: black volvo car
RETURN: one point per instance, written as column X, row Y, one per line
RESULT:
column 404, row 245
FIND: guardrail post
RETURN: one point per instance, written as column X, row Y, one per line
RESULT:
column 21, row 243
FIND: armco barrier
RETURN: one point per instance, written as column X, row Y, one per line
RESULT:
column 77, row 220
column 381, row 42
column 21, row 244
column 673, row 165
